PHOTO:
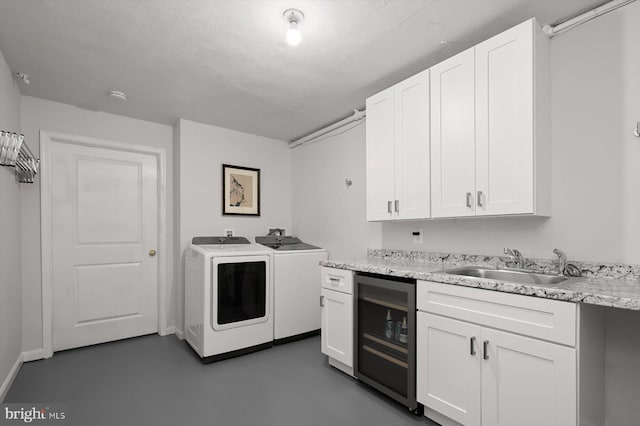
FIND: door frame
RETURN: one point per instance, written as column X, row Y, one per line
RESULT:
column 46, row 140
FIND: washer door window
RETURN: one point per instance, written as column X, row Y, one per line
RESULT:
column 240, row 291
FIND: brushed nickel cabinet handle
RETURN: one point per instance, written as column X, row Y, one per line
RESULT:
column 397, row 206
column 479, row 200
column 469, row 199
column 321, row 300
column 485, row 349
column 472, row 344
column 389, row 207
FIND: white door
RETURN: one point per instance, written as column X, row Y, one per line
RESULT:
column 412, row 163
column 337, row 326
column 448, row 367
column 453, row 136
column 380, row 156
column 504, row 122
column 104, row 223
column 527, row 382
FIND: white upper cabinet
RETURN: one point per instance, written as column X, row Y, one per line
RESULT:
column 398, row 151
column 508, row 130
column 494, row 161
column 453, row 136
column 380, row 156
column 412, row 147
column 468, row 137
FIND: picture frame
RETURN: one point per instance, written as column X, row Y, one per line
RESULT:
column 240, row 190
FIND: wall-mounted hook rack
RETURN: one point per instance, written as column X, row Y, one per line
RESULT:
column 14, row 152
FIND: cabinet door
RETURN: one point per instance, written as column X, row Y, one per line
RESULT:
column 453, row 136
column 448, row 367
column 412, row 163
column 504, row 122
column 380, row 156
column 337, row 326
column 527, row 382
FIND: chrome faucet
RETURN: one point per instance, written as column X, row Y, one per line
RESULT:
column 516, row 256
column 562, row 260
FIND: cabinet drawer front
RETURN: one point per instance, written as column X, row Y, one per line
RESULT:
column 545, row 319
column 337, row 279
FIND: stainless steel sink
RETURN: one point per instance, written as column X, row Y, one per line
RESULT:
column 520, row 277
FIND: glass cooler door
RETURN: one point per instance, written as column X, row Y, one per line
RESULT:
column 385, row 327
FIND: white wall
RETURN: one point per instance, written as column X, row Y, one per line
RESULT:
column 10, row 291
column 607, row 48
column 326, row 212
column 595, row 103
column 595, row 78
column 622, row 368
column 202, row 149
column 39, row 114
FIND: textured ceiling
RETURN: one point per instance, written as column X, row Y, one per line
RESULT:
column 226, row 62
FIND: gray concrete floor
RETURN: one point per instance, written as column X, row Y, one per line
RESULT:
column 154, row 380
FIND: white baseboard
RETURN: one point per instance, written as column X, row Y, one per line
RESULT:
column 340, row 366
column 168, row 331
column 439, row 418
column 4, row 389
column 33, row 355
column 180, row 334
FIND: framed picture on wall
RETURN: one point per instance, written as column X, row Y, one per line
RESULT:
column 240, row 190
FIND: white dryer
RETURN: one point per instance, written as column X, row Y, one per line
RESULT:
column 228, row 297
column 296, row 282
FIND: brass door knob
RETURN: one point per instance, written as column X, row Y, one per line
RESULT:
column 152, row 253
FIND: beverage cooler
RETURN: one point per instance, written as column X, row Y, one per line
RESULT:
column 385, row 340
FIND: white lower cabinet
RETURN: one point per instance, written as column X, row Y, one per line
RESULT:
column 336, row 301
column 474, row 375
column 448, row 373
column 337, row 326
column 527, row 382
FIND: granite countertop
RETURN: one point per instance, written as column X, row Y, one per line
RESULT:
column 603, row 291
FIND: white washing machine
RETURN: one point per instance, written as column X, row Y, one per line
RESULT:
column 296, row 282
column 228, row 297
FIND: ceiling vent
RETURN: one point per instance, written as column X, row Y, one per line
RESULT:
column 117, row 96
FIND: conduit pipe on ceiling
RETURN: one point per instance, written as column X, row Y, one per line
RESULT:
column 554, row 30
column 550, row 30
column 356, row 116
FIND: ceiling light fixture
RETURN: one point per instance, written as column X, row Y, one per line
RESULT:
column 293, row 17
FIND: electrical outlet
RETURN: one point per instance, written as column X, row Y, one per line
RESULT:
column 417, row 236
column 229, row 232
